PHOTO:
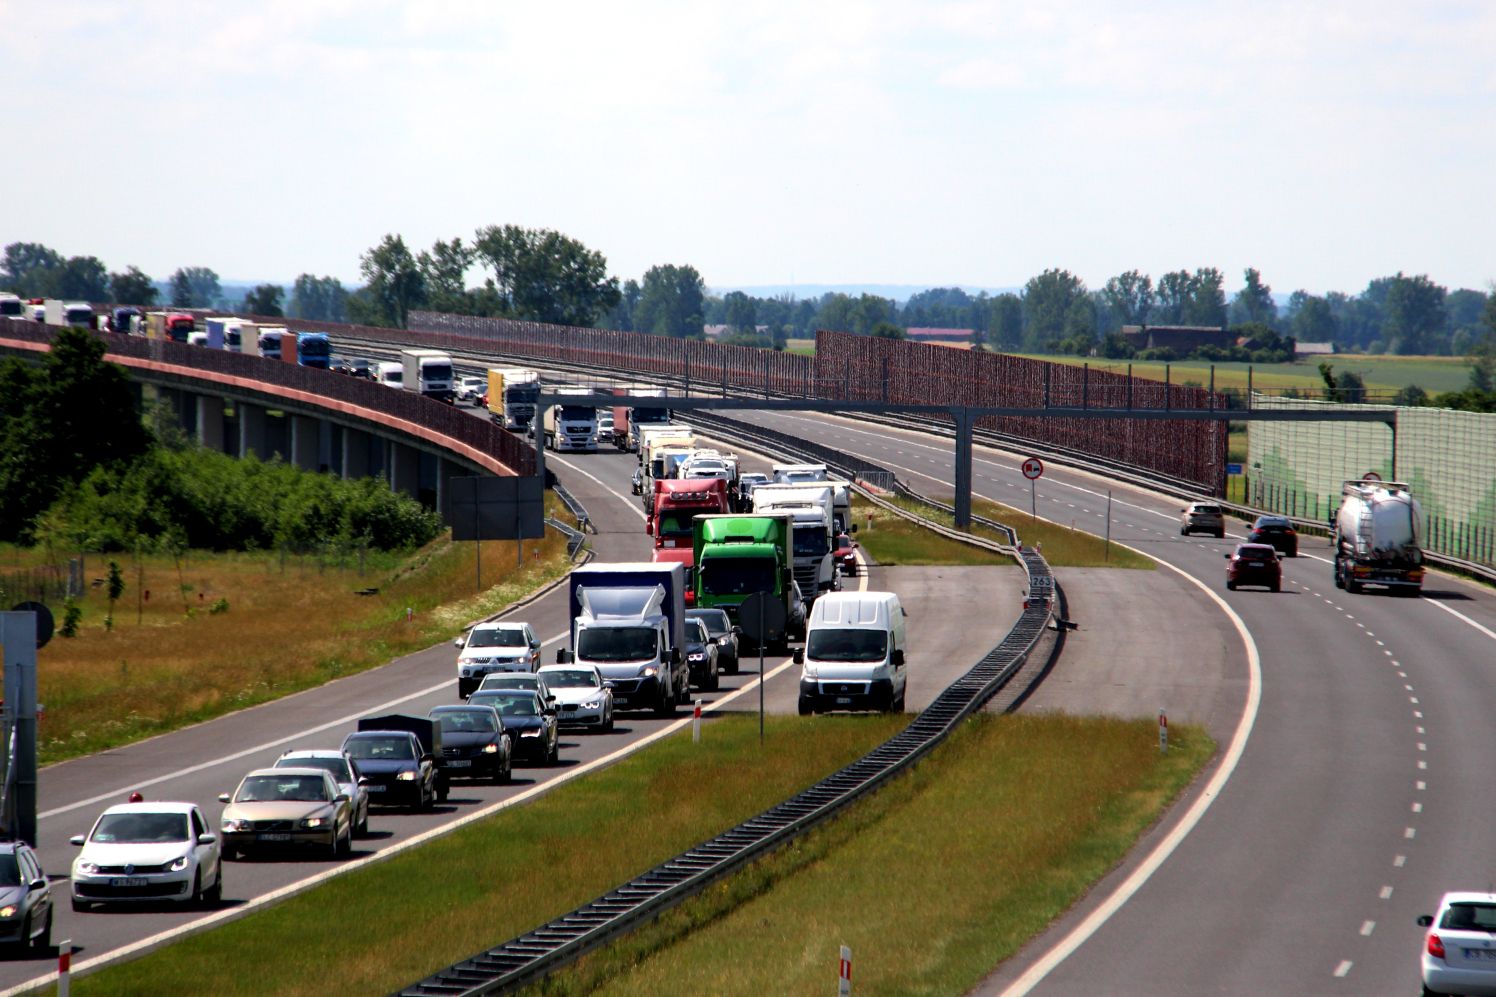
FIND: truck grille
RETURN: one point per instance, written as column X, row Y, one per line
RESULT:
column 806, row 576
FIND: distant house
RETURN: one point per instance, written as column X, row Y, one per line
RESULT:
column 1182, row 339
column 1313, row 349
column 927, row 335
column 716, row 331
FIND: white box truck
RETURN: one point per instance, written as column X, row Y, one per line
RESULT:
column 810, row 508
column 430, row 373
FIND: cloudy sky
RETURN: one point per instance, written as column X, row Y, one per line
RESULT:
column 764, row 143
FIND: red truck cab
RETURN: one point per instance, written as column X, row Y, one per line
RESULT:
column 677, row 503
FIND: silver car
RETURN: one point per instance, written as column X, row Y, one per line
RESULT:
column 25, row 898
column 1459, row 951
column 1202, row 517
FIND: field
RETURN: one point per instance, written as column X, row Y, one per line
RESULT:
column 207, row 634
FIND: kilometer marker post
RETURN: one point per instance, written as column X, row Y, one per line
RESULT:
column 1163, row 730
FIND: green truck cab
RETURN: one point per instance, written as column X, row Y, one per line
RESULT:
column 738, row 555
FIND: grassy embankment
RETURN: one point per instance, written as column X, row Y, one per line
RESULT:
column 290, row 623
column 932, row 881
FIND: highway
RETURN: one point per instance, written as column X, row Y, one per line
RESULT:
column 198, row 763
column 1354, row 803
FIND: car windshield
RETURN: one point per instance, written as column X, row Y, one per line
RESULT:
column 511, row 704
column 1470, row 916
column 10, row 870
column 572, row 678
column 810, row 541
column 617, row 643
column 676, row 524
column 140, row 828
column 510, row 682
column 289, row 788
column 466, row 722
column 846, row 645
column 1206, row 510
column 737, row 575
column 715, row 621
column 328, row 763
column 380, row 748
column 696, row 632
column 1256, row 555
column 581, row 413
column 497, row 637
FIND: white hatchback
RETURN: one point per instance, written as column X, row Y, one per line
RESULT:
column 148, row 853
column 1459, row 952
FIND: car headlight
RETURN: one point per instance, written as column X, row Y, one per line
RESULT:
column 490, row 748
column 88, row 868
column 311, row 823
column 9, row 910
column 238, row 825
column 592, row 704
column 406, row 776
column 698, row 656
column 649, row 671
column 178, row 864
column 529, row 733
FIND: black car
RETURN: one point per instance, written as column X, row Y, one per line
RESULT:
column 399, row 772
column 1277, row 532
column 25, row 899
column 701, row 656
column 531, row 725
column 474, row 743
column 720, row 628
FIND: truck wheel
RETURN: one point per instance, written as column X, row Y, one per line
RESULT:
column 804, row 707
column 1230, row 586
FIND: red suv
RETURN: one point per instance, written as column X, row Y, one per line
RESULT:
column 1254, row 564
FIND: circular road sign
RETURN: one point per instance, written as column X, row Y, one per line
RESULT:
column 44, row 622
column 1033, row 468
column 1371, row 476
column 762, row 618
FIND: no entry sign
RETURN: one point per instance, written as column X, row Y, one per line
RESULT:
column 1033, row 468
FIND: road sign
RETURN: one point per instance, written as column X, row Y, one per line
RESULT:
column 762, row 617
column 1371, row 476
column 44, row 621
column 1233, row 468
column 1033, row 468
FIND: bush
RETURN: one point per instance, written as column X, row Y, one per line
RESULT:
column 71, row 617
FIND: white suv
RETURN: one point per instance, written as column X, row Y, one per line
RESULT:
column 1202, row 517
column 495, row 647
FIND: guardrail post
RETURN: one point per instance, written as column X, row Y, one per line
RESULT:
column 964, row 421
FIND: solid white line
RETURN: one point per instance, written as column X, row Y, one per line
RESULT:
column 1455, row 612
column 632, row 503
column 1161, row 852
column 290, row 889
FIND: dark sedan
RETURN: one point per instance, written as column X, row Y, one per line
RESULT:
column 474, row 743
column 532, row 726
column 399, row 773
column 701, row 656
column 25, row 899
column 1277, row 532
column 1254, row 564
column 719, row 627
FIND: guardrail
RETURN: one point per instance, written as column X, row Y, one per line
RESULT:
column 584, row 522
column 527, row 958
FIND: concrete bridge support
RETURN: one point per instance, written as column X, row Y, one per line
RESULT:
column 210, row 434
column 254, row 431
column 305, row 442
column 405, row 469
column 356, row 461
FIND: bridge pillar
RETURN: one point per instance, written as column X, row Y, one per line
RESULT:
column 305, row 442
column 254, row 430
column 210, row 433
column 405, row 469
column 356, row 443
column 445, row 470
column 964, row 423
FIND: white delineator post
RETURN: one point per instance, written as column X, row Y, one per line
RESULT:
column 64, row 966
column 696, row 724
column 1163, row 730
column 844, row 973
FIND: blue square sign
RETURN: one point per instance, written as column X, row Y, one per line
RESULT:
column 1233, row 468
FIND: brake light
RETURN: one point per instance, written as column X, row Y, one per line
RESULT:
column 1435, row 946
column 1416, row 575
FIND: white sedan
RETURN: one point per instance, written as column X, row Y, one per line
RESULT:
column 1459, row 952
column 582, row 697
column 148, row 853
column 469, row 388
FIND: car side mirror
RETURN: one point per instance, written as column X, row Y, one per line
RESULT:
column 563, row 657
column 675, row 656
column 457, row 642
column 362, row 781
column 223, row 797
column 799, row 656
column 36, row 884
column 76, row 839
column 1226, row 556
column 1425, row 920
column 737, row 631
column 897, row 657
column 207, row 839
column 341, row 798
column 428, row 757
column 649, row 528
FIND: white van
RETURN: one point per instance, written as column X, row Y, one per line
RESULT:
column 854, row 654
column 390, row 373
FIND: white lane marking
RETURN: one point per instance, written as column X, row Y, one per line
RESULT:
column 1078, row 935
column 1386, row 893
column 1418, row 714
column 1423, row 765
column 1418, row 808
column 632, row 503
column 1410, row 832
column 1419, row 730
column 1455, row 612
column 414, row 841
column 1421, row 785
column 116, row 794
column 1344, row 968
column 1405, row 686
column 1422, row 746
column 1400, row 861
column 1367, row 927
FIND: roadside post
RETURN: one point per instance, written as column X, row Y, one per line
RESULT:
column 1033, row 469
column 64, row 966
column 696, row 724
column 844, row 973
column 1163, row 730
column 1106, row 553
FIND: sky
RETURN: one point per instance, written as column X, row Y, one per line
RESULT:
column 931, row 143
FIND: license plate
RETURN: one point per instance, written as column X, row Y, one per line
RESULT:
column 376, row 789
column 129, row 881
column 460, row 763
column 1481, row 955
column 843, row 700
column 273, row 836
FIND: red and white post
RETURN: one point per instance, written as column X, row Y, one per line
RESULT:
column 844, row 973
column 696, row 724
column 1163, row 730
column 64, row 966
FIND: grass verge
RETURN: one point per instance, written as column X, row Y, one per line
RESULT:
column 424, row 909
column 892, row 539
column 286, row 623
column 931, row 882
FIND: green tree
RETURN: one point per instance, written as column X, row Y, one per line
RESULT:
column 393, row 282
column 1005, row 323
column 1483, row 355
column 1313, row 321
column 265, row 299
column 83, row 278
column 132, row 287
column 1414, row 314
column 58, row 420
column 1206, row 304
column 194, row 287
column 739, row 312
column 544, row 276
column 321, row 298
column 887, row 330
column 870, row 311
column 1254, row 302
column 1048, row 300
column 1130, row 296
column 671, row 302
column 30, row 269
column 445, row 272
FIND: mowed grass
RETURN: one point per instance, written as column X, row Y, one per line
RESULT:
column 932, row 882
column 391, row 923
column 291, row 623
column 892, row 539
